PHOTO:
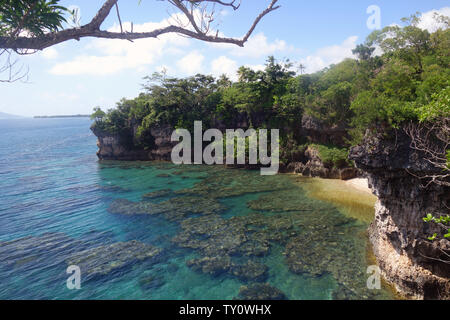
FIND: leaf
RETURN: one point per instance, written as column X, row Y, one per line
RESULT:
column 428, row 218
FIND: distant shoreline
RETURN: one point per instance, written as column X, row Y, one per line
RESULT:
column 67, row 116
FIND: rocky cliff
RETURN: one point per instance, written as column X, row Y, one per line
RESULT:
column 310, row 165
column 418, row 267
column 121, row 147
column 307, row 162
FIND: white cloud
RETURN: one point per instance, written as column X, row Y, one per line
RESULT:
column 256, row 67
column 113, row 56
column 224, row 65
column 330, row 55
column 59, row 96
column 257, row 46
column 191, row 64
column 96, row 65
column 428, row 22
column 49, row 53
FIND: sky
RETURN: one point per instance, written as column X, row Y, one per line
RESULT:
column 75, row 76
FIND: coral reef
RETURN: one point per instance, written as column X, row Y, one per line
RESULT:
column 103, row 260
column 260, row 291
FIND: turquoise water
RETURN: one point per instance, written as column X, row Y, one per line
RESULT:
column 58, row 200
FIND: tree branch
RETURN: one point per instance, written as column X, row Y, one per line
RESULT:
column 101, row 15
column 432, row 140
column 13, row 71
column 118, row 17
column 269, row 9
column 92, row 29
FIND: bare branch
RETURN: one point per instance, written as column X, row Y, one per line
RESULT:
column 269, row 9
column 13, row 71
column 118, row 17
column 222, row 3
column 432, row 140
column 101, row 15
column 434, row 259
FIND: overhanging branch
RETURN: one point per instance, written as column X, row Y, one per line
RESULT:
column 92, row 29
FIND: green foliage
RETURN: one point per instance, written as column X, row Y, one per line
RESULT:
column 428, row 218
column 332, row 156
column 443, row 220
column 438, row 107
column 407, row 82
column 411, row 82
column 363, row 51
column 180, row 102
column 98, row 114
column 32, row 16
column 448, row 159
column 433, row 237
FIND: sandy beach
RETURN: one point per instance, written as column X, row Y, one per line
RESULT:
column 362, row 184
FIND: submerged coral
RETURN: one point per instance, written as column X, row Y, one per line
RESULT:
column 106, row 259
column 260, row 291
column 316, row 238
column 157, row 194
column 151, row 282
column 174, row 209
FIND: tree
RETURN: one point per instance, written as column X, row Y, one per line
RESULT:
column 301, row 68
column 37, row 24
column 363, row 51
column 98, row 114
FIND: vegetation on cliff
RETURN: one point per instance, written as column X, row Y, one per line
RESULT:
column 408, row 81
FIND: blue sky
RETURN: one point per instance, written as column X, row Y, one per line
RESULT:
column 75, row 76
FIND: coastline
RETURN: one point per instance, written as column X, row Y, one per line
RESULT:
column 352, row 197
column 361, row 184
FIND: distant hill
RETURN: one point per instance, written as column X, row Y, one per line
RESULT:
column 4, row 115
column 65, row 116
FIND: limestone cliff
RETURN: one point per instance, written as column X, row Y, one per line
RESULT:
column 121, row 147
column 312, row 166
column 307, row 162
column 398, row 234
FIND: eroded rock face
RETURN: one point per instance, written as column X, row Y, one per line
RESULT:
column 114, row 146
column 318, row 132
column 398, row 233
column 124, row 147
column 314, row 167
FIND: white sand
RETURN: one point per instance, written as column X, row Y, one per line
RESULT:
column 361, row 184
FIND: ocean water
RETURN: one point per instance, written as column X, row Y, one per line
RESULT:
column 217, row 232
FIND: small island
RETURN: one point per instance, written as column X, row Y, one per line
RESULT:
column 64, row 116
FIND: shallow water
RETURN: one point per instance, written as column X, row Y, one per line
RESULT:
column 215, row 229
